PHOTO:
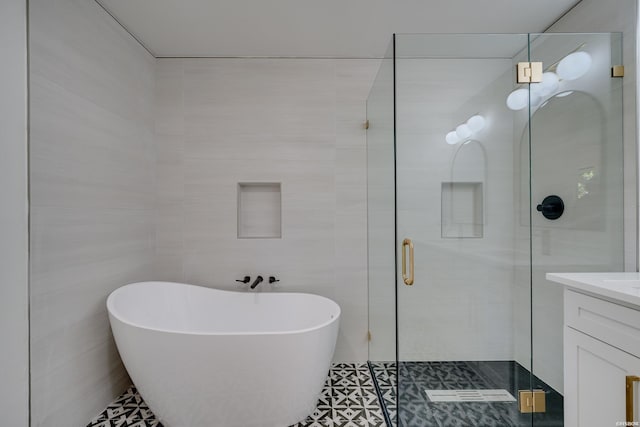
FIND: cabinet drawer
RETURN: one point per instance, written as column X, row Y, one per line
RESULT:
column 612, row 323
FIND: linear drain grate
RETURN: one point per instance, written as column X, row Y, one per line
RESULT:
column 498, row 395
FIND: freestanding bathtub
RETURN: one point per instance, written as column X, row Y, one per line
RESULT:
column 202, row 357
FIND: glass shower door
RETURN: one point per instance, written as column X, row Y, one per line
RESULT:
column 463, row 295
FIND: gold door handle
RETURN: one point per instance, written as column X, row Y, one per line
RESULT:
column 630, row 398
column 408, row 280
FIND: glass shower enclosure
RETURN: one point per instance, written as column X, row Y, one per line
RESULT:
column 478, row 185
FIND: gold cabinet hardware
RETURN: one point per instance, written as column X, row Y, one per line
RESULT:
column 368, row 335
column 532, row 401
column 408, row 280
column 617, row 71
column 529, row 72
column 366, row 124
column 630, row 379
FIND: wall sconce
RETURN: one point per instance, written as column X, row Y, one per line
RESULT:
column 518, row 99
column 549, row 84
column 574, row 66
column 465, row 131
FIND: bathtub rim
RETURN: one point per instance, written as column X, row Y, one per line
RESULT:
column 118, row 315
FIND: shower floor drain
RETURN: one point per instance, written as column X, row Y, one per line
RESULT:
column 496, row 395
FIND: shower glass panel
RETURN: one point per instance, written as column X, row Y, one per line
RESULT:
column 577, row 155
column 381, row 235
column 381, row 213
column 460, row 156
column 458, row 328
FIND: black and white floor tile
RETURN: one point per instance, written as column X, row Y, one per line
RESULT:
column 348, row 399
column 386, row 377
column 128, row 410
column 416, row 410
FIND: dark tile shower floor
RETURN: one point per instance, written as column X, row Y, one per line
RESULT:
column 416, row 410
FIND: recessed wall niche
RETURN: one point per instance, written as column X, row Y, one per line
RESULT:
column 259, row 210
column 462, row 210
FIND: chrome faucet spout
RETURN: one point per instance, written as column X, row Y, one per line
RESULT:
column 256, row 282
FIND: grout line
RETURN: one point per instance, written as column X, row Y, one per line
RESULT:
column 28, row 201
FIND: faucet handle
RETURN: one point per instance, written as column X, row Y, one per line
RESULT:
column 246, row 279
column 256, row 282
column 272, row 279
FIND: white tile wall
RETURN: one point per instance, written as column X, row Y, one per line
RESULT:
column 14, row 332
column 299, row 122
column 92, row 201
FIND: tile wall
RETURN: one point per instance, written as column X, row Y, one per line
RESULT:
column 14, row 326
column 92, row 173
column 297, row 122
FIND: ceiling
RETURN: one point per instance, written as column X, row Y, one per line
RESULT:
column 316, row 28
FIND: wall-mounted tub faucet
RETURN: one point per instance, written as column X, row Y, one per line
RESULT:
column 256, row 282
column 273, row 279
column 246, row 279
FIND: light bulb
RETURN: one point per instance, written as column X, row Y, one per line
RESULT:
column 463, row 131
column 476, row 123
column 452, row 138
column 518, row 99
column 574, row 65
column 549, row 84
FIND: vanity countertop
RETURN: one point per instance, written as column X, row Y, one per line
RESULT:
column 617, row 287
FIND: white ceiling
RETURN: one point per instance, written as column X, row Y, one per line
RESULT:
column 317, row 28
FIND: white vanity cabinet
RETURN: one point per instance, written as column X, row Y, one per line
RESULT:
column 601, row 345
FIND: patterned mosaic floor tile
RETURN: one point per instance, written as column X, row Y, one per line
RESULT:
column 411, row 379
column 348, row 399
column 386, row 375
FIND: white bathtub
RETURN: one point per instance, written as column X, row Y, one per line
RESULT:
column 203, row 357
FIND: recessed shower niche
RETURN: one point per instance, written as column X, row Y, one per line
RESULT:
column 259, row 210
column 462, row 209
column 462, row 198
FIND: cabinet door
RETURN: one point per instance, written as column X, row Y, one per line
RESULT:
column 594, row 378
